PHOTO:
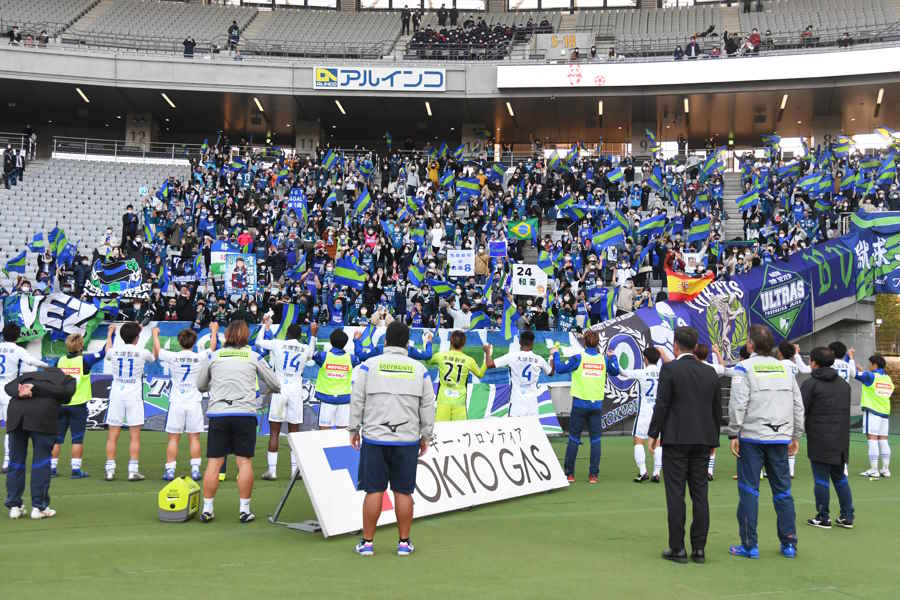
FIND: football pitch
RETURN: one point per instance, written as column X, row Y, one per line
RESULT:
column 599, row 541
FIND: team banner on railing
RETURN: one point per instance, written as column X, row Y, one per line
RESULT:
column 469, row 463
column 384, row 79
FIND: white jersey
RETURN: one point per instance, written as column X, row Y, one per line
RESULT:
column 183, row 368
column 648, row 383
column 795, row 365
column 13, row 361
column 845, row 368
column 524, row 370
column 289, row 357
column 126, row 363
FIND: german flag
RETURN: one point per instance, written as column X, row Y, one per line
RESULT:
column 682, row 287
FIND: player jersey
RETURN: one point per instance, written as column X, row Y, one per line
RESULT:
column 289, row 357
column 183, row 367
column 524, row 370
column 453, row 376
column 846, row 369
column 12, row 359
column 648, row 382
column 127, row 363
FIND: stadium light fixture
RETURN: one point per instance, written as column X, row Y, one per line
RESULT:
column 880, row 97
column 784, row 100
column 258, row 104
column 428, row 107
column 167, row 99
column 600, row 107
column 83, row 96
column 687, row 106
column 340, row 107
column 510, row 110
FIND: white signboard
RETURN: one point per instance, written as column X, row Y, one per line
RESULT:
column 693, row 262
column 469, row 463
column 460, row 263
column 386, row 79
column 529, row 280
column 721, row 70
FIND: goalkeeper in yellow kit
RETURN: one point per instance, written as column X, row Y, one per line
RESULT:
column 453, row 377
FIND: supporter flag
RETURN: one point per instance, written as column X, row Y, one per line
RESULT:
column 362, row 202
column 235, row 165
column 555, row 163
column 575, row 213
column 478, row 320
column 163, row 192
column 37, row 242
column 656, row 180
column 290, row 315
column 822, row 205
column 615, row 175
column 365, row 167
column 887, row 170
column 623, row 222
column 772, row 140
column 441, row 288
column 510, row 327
column 413, row 204
column 653, row 225
column 675, row 196
column 417, row 234
column 388, row 139
column 850, row 179
column 810, row 181
column 652, row 145
column 825, row 184
column 204, row 147
column 610, row 236
column 644, row 253
column 545, row 263
column 842, row 146
column 16, row 264
column 748, row 200
column 699, row 231
column 887, row 133
column 330, row 199
column 496, row 173
column 149, row 232
column 488, row 292
column 869, row 163
column 109, row 307
column 565, row 202
column 330, row 160
column 606, row 302
column 524, row 229
column 67, row 254
column 702, row 201
column 416, row 274
column 460, row 150
column 683, row 288
column 199, row 267
column 572, row 155
column 347, row 272
column 58, row 242
column 468, row 187
column 792, row 169
column 710, row 166
column 447, row 179
column 443, row 150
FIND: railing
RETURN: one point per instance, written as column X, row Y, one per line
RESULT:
column 16, row 140
column 33, row 28
column 117, row 148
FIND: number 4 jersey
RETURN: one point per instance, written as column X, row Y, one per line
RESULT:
column 525, row 369
column 289, row 357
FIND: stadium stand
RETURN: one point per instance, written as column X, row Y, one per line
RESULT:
column 793, row 16
column 52, row 15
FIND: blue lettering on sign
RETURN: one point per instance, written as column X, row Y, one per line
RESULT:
column 344, row 458
column 380, row 79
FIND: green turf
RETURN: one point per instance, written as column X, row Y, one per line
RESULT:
column 590, row 541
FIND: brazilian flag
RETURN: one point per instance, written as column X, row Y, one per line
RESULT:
column 526, row 229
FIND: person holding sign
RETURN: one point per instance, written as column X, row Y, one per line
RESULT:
column 525, row 368
column 453, row 378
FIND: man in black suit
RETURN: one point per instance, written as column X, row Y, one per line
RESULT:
column 687, row 417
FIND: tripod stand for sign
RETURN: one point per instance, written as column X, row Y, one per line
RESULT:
column 309, row 526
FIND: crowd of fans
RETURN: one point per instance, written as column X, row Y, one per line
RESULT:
column 474, row 39
column 613, row 239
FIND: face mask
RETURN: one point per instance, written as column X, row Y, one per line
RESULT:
column 137, row 307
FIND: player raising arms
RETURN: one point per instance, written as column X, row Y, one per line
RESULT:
column 648, row 382
column 126, row 402
column 525, row 369
column 185, row 401
column 289, row 357
column 454, row 368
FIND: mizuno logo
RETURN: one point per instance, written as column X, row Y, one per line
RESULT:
column 394, row 427
column 775, row 427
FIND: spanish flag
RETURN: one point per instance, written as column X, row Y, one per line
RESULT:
column 683, row 288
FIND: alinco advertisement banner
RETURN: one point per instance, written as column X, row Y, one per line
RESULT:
column 382, row 79
column 468, row 464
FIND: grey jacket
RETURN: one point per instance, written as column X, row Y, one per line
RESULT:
column 392, row 400
column 230, row 377
column 766, row 405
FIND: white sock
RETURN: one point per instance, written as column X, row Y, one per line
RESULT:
column 294, row 462
column 792, row 460
column 170, row 466
column 885, row 453
column 76, row 463
column 657, row 460
column 272, row 461
column 873, row 455
column 245, row 505
column 195, row 464
column 5, row 449
column 711, row 467
column 132, row 466
column 640, row 459
column 54, row 463
column 110, row 465
column 208, row 505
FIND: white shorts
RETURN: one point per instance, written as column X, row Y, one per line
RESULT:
column 126, row 407
column 523, row 405
column 3, row 407
column 185, row 417
column 642, row 422
column 286, row 407
column 875, row 424
column 334, row 415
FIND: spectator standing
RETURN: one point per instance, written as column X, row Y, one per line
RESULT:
column 442, row 15
column 765, row 423
column 754, row 40
column 826, row 404
column 189, row 44
column 692, row 50
column 846, row 41
column 417, row 19
column 234, row 36
column 404, row 21
column 454, row 16
column 806, row 36
column 15, row 36
column 20, row 164
column 9, row 166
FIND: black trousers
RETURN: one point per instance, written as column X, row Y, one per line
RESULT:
column 686, row 464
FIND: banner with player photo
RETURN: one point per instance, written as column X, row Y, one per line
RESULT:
column 240, row 274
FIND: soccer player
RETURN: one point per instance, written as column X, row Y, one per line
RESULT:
column 73, row 416
column 844, row 363
column 454, row 368
column 877, row 388
column 185, row 401
column 648, row 382
column 289, row 356
column 789, row 356
column 126, row 402
column 12, row 357
column 525, row 369
column 333, row 382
